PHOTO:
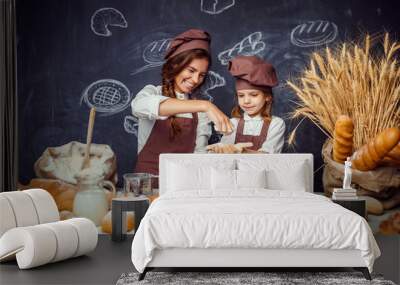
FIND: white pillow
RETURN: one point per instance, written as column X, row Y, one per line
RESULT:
column 281, row 174
column 223, row 179
column 251, row 178
column 226, row 179
column 292, row 179
column 185, row 175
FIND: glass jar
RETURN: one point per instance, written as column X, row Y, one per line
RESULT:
column 137, row 184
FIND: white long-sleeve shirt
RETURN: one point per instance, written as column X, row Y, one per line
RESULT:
column 253, row 125
column 145, row 106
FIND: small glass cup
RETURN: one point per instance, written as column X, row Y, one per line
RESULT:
column 131, row 184
column 137, row 184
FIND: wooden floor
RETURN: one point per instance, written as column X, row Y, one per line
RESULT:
column 102, row 266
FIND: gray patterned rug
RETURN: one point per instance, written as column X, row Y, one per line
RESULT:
column 231, row 278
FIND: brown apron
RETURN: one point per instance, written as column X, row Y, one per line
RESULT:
column 160, row 141
column 256, row 140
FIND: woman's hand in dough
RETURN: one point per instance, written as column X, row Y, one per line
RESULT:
column 221, row 121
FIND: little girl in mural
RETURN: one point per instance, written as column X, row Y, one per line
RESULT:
column 170, row 121
column 252, row 119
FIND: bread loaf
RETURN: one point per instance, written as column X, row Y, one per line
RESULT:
column 392, row 202
column 370, row 154
column 65, row 215
column 63, row 193
column 391, row 225
column 374, row 206
column 343, row 139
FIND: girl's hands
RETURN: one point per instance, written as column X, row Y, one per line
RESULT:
column 228, row 148
column 221, row 148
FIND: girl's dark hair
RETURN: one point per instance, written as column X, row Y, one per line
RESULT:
column 266, row 112
column 171, row 68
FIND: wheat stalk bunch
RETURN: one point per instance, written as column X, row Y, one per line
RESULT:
column 350, row 80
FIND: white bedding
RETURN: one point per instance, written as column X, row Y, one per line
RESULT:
column 251, row 218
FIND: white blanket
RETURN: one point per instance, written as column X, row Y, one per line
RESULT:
column 253, row 218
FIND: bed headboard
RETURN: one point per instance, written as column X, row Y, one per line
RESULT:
column 277, row 161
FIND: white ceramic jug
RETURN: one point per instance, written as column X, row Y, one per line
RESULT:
column 91, row 199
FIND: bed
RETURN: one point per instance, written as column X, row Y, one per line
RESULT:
column 247, row 210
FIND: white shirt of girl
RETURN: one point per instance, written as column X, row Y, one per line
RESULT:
column 253, row 125
column 145, row 106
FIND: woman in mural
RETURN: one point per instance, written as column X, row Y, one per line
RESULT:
column 252, row 118
column 170, row 121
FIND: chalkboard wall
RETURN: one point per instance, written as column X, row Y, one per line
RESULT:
column 76, row 54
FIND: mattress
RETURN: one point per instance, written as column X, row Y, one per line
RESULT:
column 250, row 219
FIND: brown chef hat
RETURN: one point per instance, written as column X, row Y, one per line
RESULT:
column 191, row 39
column 251, row 72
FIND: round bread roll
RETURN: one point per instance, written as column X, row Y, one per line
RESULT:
column 106, row 223
column 391, row 225
column 369, row 155
column 374, row 206
column 65, row 215
column 65, row 200
column 343, row 139
column 63, row 193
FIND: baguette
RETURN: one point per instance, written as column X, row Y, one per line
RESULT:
column 369, row 155
column 388, row 161
column 343, row 139
column 395, row 153
column 392, row 158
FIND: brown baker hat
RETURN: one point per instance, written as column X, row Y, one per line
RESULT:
column 191, row 39
column 251, row 72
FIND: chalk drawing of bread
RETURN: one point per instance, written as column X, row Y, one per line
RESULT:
column 154, row 52
column 250, row 45
column 314, row 33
